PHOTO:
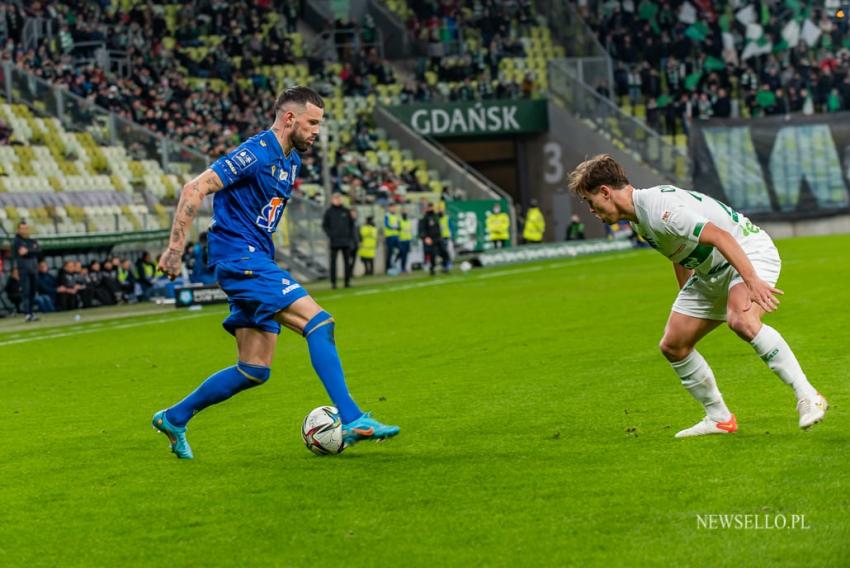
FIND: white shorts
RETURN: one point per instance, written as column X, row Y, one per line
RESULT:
column 704, row 296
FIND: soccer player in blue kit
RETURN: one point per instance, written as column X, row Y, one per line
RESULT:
column 252, row 185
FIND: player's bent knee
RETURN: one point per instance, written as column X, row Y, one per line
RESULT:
column 745, row 326
column 258, row 374
column 321, row 319
column 673, row 351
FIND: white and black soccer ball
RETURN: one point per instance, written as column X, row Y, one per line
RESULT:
column 322, row 431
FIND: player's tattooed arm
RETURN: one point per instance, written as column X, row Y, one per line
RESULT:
column 191, row 197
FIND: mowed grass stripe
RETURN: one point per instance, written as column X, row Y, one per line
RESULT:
column 537, row 418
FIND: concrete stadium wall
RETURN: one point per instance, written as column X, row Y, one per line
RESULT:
column 551, row 158
column 826, row 226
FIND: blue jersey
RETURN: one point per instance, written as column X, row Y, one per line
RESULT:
column 258, row 181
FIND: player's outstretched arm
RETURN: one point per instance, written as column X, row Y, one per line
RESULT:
column 191, row 197
column 761, row 292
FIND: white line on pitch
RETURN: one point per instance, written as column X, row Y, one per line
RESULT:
column 95, row 327
column 100, row 326
column 461, row 280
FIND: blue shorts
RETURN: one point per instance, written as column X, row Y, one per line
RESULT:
column 256, row 289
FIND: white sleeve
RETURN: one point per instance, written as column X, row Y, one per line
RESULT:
column 667, row 215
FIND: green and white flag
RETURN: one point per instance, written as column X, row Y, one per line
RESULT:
column 712, row 63
column 697, row 32
column 811, row 33
column 754, row 32
column 746, row 15
column 791, row 33
column 687, row 13
column 761, row 46
column 692, row 80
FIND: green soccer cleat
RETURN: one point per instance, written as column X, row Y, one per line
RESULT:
column 366, row 428
column 176, row 435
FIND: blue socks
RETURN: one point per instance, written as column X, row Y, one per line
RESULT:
column 319, row 333
column 217, row 388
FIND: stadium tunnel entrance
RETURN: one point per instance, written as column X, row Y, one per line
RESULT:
column 527, row 148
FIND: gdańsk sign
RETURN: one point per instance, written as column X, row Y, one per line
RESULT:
column 481, row 118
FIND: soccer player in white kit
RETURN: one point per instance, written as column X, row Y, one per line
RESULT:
column 727, row 269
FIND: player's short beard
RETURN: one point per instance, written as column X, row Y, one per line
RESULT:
column 298, row 141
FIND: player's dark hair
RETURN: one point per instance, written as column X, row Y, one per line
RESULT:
column 299, row 95
column 599, row 170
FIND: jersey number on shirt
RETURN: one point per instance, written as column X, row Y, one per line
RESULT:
column 271, row 213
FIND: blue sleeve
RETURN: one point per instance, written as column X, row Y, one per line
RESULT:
column 240, row 163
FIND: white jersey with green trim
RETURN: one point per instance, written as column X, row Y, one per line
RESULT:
column 671, row 219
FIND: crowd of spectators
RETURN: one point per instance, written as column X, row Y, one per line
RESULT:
column 76, row 285
column 158, row 93
column 466, row 43
column 698, row 59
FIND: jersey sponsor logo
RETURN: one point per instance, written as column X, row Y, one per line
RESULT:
column 282, row 175
column 294, row 167
column 244, row 158
column 230, row 165
column 270, row 215
column 290, row 288
column 666, row 216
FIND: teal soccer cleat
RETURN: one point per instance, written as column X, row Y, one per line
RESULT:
column 366, row 428
column 176, row 435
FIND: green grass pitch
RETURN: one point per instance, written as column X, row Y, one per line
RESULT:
column 537, row 424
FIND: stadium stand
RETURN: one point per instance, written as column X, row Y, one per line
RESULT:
column 65, row 183
column 480, row 51
column 722, row 59
column 208, row 78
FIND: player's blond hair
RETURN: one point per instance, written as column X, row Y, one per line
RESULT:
column 599, row 170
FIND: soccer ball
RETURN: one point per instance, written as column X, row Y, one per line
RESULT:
column 322, row 431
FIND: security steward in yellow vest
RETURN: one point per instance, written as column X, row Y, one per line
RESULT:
column 535, row 224
column 404, row 238
column 498, row 227
column 368, row 245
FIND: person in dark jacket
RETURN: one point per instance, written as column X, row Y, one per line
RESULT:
column 85, row 289
column 339, row 227
column 109, row 280
column 46, row 296
column 13, row 289
column 25, row 251
column 67, row 287
column 100, row 287
column 145, row 273
column 432, row 238
column 575, row 230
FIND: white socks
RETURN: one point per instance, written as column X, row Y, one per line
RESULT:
column 698, row 379
column 774, row 351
